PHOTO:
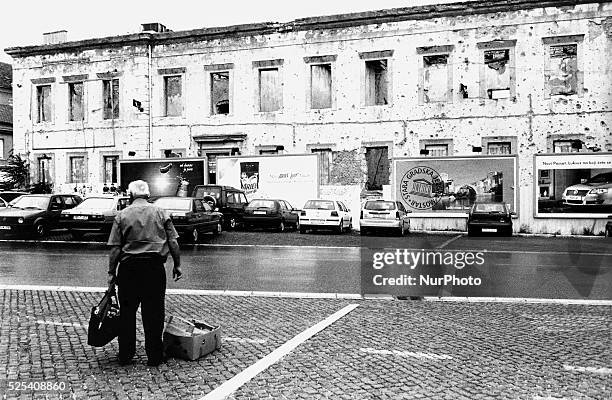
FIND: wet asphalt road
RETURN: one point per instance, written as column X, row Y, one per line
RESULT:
column 515, row 267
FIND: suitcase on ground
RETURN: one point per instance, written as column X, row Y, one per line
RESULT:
column 190, row 339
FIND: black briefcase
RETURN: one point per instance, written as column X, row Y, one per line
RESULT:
column 104, row 320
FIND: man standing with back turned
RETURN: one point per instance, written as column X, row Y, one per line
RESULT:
column 141, row 237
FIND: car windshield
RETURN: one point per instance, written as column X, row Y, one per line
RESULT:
column 601, row 178
column 380, row 205
column 208, row 191
column 174, row 203
column 31, row 202
column 262, row 204
column 491, row 207
column 97, row 202
column 319, row 205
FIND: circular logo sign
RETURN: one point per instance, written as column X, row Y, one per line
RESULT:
column 421, row 188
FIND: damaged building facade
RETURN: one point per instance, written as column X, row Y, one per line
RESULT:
column 475, row 79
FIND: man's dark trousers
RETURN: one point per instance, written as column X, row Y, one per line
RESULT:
column 142, row 281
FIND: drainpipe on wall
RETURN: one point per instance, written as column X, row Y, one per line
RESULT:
column 150, row 94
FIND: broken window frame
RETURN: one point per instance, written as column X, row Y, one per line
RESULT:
column 380, row 176
column 173, row 107
column 44, row 104
column 504, row 146
column 564, row 146
column 325, row 157
column 321, row 96
column 564, row 41
column 377, row 89
column 214, row 102
column 77, row 173
column 110, row 98
column 76, row 101
column 497, row 46
column 110, row 168
column 424, row 53
column 437, row 149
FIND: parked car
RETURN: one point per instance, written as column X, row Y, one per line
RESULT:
column 596, row 191
column 227, row 200
column 384, row 215
column 608, row 231
column 9, row 196
column 191, row 216
column 34, row 215
column 270, row 213
column 94, row 215
column 489, row 218
column 325, row 214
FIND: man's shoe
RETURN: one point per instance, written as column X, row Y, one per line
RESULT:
column 156, row 363
column 125, row 361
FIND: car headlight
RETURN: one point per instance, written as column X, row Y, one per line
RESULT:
column 20, row 221
column 598, row 191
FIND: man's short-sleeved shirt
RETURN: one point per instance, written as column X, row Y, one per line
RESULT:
column 142, row 228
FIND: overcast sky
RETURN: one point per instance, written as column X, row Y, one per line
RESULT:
column 24, row 22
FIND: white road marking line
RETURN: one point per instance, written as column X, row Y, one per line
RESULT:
column 244, row 340
column 593, row 370
column 419, row 355
column 233, row 384
column 449, row 241
column 586, row 302
column 74, row 325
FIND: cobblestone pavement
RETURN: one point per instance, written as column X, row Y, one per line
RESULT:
column 382, row 349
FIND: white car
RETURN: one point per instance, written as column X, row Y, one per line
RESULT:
column 325, row 214
column 384, row 215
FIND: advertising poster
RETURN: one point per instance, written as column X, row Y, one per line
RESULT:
column 166, row 177
column 293, row 178
column 453, row 184
column 573, row 185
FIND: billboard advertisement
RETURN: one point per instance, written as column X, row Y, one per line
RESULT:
column 573, row 185
column 293, row 177
column 453, row 184
column 166, row 177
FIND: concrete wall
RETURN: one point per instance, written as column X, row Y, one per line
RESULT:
column 530, row 116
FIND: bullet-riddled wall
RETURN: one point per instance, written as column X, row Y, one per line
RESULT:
column 443, row 86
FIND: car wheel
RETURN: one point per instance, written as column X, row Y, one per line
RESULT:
column 281, row 226
column 40, row 230
column 218, row 229
column 349, row 229
column 401, row 231
column 297, row 225
column 340, row 229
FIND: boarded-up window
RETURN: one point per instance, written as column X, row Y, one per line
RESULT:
column 497, row 73
column 43, row 103
column 77, row 169
column 110, row 169
column 173, row 95
column 563, row 79
column 325, row 160
column 376, row 83
column 435, row 78
column 219, row 92
column 495, row 148
column 321, row 86
column 270, row 91
column 377, row 160
column 110, row 93
column 75, row 101
column 437, row 150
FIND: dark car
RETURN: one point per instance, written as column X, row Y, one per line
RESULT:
column 489, row 218
column 34, row 215
column 608, row 231
column 94, row 215
column 228, row 200
column 270, row 213
column 9, row 196
column 191, row 216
